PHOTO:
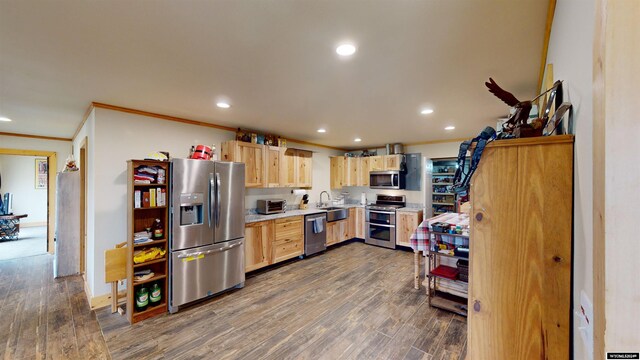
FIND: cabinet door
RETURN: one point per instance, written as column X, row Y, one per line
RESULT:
column 305, row 167
column 364, row 172
column 353, row 171
column 351, row 231
column 343, row 233
column 273, row 167
column 332, row 235
column 360, row 223
column 406, row 224
column 376, row 163
column 252, row 155
column 392, row 162
column 257, row 245
column 337, row 172
column 289, row 167
column 289, row 238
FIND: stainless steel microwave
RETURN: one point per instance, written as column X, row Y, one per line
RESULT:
column 393, row 180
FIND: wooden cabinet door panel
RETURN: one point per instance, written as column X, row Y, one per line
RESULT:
column 376, row 163
column 360, row 223
column 351, row 224
column 392, row 162
column 364, row 172
column 284, row 250
column 305, row 167
column 337, row 172
column 288, row 167
column 257, row 248
column 252, row 155
column 406, row 224
column 332, row 237
column 353, row 171
column 273, row 167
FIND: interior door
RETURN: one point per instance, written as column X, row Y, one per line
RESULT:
column 229, row 201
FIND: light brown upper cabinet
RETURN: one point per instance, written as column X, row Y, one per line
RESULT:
column 274, row 166
column 288, row 166
column 252, row 155
column 337, row 172
column 376, row 163
column 353, row 166
column 305, row 167
column 392, row 162
column 270, row 166
column 364, row 172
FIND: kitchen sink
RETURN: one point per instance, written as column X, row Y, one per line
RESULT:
column 336, row 213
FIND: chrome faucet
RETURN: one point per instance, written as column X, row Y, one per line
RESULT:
column 328, row 197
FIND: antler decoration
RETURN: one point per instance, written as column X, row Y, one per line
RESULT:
column 520, row 116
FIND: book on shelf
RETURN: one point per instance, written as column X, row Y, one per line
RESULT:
column 137, row 203
column 146, row 201
column 152, row 198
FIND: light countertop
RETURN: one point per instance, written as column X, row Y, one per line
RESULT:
column 251, row 218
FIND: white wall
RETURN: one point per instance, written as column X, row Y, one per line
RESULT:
column 571, row 53
column 18, row 178
column 118, row 137
column 61, row 148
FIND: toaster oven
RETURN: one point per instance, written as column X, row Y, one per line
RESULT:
column 271, row 206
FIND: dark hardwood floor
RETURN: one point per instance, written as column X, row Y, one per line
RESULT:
column 41, row 317
column 353, row 302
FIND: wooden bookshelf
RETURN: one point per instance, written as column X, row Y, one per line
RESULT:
column 140, row 218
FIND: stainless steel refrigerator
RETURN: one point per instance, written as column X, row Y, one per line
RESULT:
column 207, row 229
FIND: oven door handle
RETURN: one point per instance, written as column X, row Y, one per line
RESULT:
column 382, row 212
column 382, row 225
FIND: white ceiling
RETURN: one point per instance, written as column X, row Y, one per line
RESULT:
column 275, row 61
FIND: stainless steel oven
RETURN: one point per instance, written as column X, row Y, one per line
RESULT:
column 394, row 180
column 380, row 220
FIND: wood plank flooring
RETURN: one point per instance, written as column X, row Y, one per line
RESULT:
column 42, row 317
column 353, row 302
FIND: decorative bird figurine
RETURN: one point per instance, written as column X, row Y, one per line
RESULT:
column 523, row 108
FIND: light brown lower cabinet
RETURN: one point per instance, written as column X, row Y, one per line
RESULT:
column 273, row 241
column 406, row 223
column 337, row 231
column 351, row 221
column 360, row 231
column 258, row 238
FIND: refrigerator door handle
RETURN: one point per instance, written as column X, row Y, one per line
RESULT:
column 211, row 197
column 218, row 205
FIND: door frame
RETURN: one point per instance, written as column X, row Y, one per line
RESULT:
column 83, row 204
column 51, row 188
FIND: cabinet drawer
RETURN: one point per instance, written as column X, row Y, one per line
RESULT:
column 283, row 250
column 289, row 230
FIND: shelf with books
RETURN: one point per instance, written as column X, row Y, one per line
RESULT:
column 147, row 214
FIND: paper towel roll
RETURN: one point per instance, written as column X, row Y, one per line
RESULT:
column 298, row 192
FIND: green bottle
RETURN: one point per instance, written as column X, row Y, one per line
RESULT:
column 142, row 298
column 156, row 294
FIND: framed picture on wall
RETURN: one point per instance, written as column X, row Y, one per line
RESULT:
column 42, row 170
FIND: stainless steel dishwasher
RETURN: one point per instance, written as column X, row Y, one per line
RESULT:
column 315, row 241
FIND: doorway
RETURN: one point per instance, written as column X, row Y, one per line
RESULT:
column 29, row 230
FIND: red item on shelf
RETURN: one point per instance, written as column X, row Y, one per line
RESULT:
column 446, row 272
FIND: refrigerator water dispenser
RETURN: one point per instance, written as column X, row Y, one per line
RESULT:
column 191, row 209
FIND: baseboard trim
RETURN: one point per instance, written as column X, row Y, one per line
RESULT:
column 101, row 301
column 33, row 224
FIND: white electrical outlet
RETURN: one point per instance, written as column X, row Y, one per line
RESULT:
column 585, row 326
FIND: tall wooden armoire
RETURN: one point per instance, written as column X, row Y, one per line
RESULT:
column 520, row 262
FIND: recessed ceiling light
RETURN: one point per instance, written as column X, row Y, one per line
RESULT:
column 322, row 130
column 4, row 119
column 450, row 128
column 426, row 111
column 223, row 105
column 346, row 49
column 357, row 139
